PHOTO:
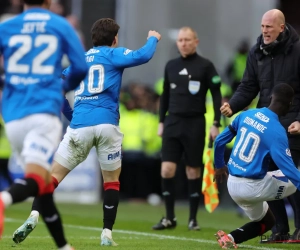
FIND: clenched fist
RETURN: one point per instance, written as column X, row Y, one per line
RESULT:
column 226, row 110
column 155, row 34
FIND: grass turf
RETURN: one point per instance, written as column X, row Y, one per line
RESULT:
column 132, row 229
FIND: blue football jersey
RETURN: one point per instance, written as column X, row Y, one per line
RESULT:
column 33, row 44
column 259, row 137
column 97, row 97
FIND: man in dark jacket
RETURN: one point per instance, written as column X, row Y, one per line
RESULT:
column 274, row 59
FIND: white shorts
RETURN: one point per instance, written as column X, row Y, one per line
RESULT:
column 34, row 139
column 251, row 195
column 77, row 143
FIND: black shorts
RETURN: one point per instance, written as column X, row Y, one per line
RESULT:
column 184, row 136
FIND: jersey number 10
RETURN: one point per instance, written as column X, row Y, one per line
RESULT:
column 247, row 140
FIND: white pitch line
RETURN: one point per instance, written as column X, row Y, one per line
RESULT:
column 160, row 236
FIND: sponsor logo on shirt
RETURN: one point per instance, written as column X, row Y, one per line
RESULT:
column 126, row 52
column 288, row 152
column 235, row 165
column 37, row 16
column 23, row 80
column 83, row 98
column 262, row 117
column 183, row 72
column 92, row 51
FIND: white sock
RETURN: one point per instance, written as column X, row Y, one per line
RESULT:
column 230, row 236
column 108, row 232
column 66, row 247
column 6, row 198
column 34, row 213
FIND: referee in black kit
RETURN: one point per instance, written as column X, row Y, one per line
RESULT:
column 186, row 82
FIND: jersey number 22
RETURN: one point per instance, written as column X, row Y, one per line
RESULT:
column 27, row 42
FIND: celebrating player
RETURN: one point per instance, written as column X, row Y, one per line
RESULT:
column 96, row 118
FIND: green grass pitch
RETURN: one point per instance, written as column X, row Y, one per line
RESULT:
column 132, row 230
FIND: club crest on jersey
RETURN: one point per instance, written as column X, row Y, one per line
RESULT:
column 194, row 87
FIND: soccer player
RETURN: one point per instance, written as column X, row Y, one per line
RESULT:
column 32, row 45
column 259, row 137
column 95, row 120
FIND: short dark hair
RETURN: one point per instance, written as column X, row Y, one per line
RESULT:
column 104, row 31
column 283, row 93
column 34, row 2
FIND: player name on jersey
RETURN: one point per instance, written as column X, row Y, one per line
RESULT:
column 255, row 124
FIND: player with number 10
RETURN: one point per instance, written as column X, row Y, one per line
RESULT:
column 259, row 138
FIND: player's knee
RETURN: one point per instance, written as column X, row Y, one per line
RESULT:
column 167, row 173
column 193, row 173
column 168, row 170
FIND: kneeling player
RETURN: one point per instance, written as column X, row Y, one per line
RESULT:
column 259, row 137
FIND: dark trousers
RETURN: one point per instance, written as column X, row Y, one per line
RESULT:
column 278, row 206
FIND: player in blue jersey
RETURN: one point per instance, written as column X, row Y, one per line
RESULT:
column 32, row 45
column 95, row 120
column 259, row 137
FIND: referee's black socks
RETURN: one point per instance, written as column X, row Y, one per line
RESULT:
column 168, row 192
column 194, row 197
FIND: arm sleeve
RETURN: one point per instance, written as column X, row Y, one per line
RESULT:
column 281, row 155
column 164, row 99
column 248, row 88
column 219, row 146
column 222, row 139
column 75, row 52
column 125, row 58
column 67, row 110
column 214, row 84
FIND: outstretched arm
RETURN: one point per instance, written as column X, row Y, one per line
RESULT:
column 125, row 58
column 219, row 146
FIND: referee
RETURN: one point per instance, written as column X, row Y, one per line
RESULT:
column 186, row 82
